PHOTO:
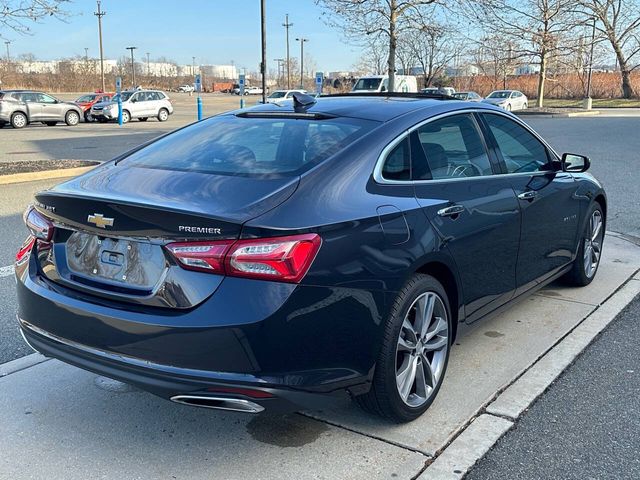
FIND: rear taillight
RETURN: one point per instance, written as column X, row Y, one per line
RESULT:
column 39, row 225
column 201, row 256
column 284, row 259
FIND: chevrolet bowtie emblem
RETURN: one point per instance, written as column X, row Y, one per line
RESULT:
column 100, row 220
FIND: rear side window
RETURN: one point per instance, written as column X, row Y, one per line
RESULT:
column 521, row 151
column 452, row 148
column 397, row 165
column 251, row 146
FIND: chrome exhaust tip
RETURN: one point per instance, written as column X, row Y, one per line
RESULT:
column 219, row 403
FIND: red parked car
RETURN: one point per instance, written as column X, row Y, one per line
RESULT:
column 85, row 102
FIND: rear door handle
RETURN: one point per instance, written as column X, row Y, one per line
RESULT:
column 451, row 211
column 528, row 195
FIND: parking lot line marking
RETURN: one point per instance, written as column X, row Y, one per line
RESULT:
column 6, row 271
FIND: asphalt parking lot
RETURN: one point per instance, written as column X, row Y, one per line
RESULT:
column 342, row 442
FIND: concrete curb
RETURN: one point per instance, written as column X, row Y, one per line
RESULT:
column 43, row 175
column 471, row 445
column 587, row 113
column 513, row 401
column 21, row 363
column 455, row 461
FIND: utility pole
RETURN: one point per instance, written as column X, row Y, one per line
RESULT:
column 148, row 66
column 7, row 43
column 286, row 25
column 101, row 14
column 263, row 63
column 587, row 100
column 280, row 66
column 302, row 40
column 193, row 66
column 133, row 67
column 86, row 54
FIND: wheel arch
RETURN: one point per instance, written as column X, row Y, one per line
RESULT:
column 445, row 274
column 602, row 201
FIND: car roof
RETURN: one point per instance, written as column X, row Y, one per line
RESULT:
column 380, row 107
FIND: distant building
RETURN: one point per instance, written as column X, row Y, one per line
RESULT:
column 527, row 69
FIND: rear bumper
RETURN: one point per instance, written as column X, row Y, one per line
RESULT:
column 292, row 341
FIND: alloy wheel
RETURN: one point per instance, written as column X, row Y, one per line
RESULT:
column 593, row 244
column 421, row 351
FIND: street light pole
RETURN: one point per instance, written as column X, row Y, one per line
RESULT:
column 133, row 67
column 263, row 63
column 193, row 66
column 286, row 25
column 101, row 14
column 148, row 66
column 7, row 43
column 593, row 39
column 302, row 40
column 86, row 54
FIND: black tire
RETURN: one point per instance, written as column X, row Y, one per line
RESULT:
column 383, row 399
column 2, row 124
column 72, row 118
column 126, row 116
column 88, row 117
column 102, row 120
column 578, row 276
column 19, row 120
column 50, row 124
column 163, row 115
column 143, row 119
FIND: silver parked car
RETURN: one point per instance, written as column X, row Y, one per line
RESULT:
column 467, row 96
column 508, row 99
column 140, row 104
column 22, row 107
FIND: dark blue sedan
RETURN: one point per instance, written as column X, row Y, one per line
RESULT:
column 280, row 255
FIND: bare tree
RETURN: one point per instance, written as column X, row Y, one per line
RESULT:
column 383, row 18
column 537, row 28
column 15, row 15
column 434, row 47
column 495, row 58
column 619, row 22
column 374, row 57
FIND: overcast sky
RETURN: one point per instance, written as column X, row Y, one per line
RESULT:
column 214, row 31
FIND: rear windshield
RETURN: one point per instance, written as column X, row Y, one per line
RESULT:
column 231, row 145
column 367, row 84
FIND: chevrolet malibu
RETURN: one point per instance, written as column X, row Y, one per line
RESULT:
column 284, row 255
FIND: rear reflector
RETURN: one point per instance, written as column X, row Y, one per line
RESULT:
column 284, row 259
column 23, row 253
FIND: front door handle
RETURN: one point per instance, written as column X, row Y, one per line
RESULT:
column 451, row 211
column 528, row 195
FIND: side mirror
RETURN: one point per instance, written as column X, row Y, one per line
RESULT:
column 383, row 89
column 575, row 163
column 134, row 100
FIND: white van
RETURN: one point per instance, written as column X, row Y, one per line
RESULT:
column 380, row 83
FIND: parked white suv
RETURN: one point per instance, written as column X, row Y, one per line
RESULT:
column 140, row 104
column 253, row 91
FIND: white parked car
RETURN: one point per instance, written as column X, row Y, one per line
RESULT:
column 279, row 95
column 186, row 88
column 140, row 104
column 252, row 91
column 508, row 99
column 380, row 83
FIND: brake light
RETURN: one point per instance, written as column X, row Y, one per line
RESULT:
column 201, row 256
column 284, row 259
column 39, row 225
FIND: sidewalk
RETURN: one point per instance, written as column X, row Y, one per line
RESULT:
column 59, row 422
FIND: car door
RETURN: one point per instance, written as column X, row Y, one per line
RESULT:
column 473, row 209
column 546, row 197
column 34, row 107
column 137, row 105
column 51, row 109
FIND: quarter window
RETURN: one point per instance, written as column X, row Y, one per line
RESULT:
column 521, row 151
column 451, row 147
column 397, row 165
